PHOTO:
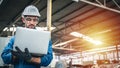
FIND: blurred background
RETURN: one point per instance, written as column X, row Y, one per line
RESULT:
column 85, row 32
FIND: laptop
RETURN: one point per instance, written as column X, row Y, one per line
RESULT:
column 35, row 40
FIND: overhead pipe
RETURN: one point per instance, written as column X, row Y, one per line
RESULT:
column 66, row 42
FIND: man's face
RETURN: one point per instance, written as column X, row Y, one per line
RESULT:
column 30, row 21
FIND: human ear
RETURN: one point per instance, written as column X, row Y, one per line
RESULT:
column 23, row 20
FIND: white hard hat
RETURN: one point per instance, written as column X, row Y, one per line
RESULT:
column 31, row 10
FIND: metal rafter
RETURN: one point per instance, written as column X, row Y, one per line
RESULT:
column 75, row 17
column 102, row 5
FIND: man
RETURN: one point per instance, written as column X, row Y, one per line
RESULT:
column 30, row 18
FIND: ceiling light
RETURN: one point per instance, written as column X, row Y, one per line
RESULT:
column 105, row 31
column 76, row 0
column 76, row 34
column 79, row 35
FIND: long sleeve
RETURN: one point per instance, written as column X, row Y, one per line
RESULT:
column 46, row 59
column 6, row 54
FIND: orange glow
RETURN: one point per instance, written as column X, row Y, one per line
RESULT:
column 76, row 34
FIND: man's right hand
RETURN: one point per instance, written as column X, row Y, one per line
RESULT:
column 22, row 55
column 15, row 54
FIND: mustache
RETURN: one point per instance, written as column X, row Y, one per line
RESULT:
column 31, row 25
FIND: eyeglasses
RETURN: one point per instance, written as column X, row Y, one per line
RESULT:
column 30, row 19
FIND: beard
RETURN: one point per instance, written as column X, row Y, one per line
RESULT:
column 31, row 26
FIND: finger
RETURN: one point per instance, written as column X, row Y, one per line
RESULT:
column 15, row 53
column 18, row 50
column 26, row 51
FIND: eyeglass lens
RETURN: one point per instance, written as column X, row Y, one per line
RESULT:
column 30, row 19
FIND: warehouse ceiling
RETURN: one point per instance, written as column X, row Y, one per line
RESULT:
column 91, row 20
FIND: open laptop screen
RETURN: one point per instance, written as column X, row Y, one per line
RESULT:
column 35, row 40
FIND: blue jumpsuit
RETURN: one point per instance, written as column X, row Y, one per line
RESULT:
column 7, row 57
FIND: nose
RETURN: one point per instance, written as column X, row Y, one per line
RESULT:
column 31, row 22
